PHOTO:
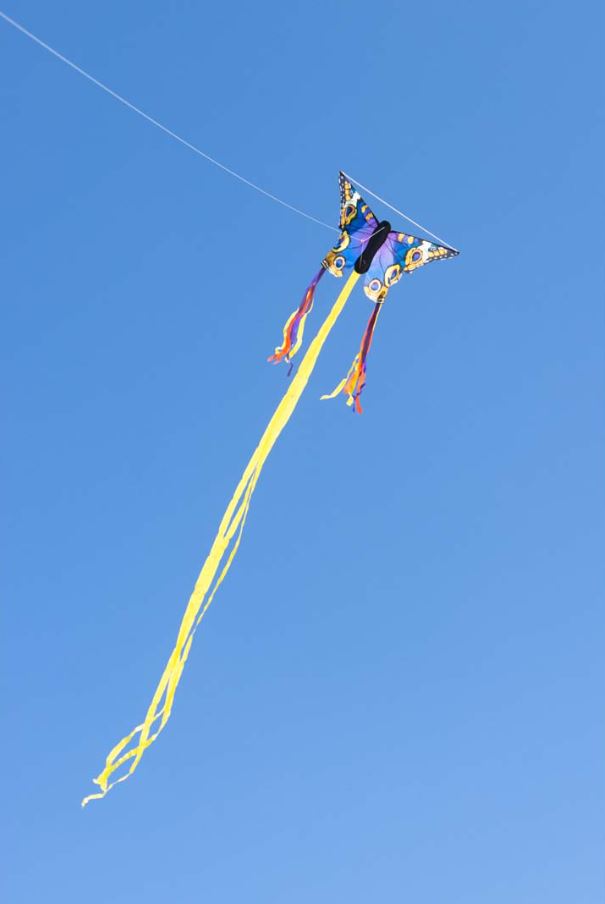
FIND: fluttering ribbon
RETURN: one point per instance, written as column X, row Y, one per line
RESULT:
column 295, row 324
column 124, row 758
column 355, row 380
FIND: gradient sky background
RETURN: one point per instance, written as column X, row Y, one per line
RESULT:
column 397, row 695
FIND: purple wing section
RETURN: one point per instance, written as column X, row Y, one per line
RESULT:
column 401, row 253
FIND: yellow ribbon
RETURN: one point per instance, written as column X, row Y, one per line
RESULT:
column 131, row 748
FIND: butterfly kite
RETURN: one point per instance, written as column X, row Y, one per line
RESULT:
column 366, row 248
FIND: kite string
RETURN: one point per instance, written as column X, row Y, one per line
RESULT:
column 400, row 212
column 229, row 532
column 159, row 125
column 197, row 150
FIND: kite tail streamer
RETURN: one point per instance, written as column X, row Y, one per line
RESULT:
column 124, row 758
column 355, row 380
column 295, row 324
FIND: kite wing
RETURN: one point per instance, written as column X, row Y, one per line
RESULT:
column 357, row 223
column 401, row 253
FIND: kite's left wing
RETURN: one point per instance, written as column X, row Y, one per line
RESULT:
column 357, row 223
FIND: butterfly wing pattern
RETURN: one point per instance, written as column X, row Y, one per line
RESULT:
column 401, row 253
column 357, row 223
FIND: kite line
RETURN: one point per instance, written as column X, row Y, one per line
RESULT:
column 158, row 124
column 192, row 147
column 226, row 543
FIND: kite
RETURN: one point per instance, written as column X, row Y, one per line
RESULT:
column 366, row 248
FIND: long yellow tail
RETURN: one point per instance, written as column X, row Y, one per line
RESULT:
column 131, row 748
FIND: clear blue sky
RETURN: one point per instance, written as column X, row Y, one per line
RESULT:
column 397, row 695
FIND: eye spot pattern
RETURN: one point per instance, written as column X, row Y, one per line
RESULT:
column 392, row 274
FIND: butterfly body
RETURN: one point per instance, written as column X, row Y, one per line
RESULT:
column 375, row 242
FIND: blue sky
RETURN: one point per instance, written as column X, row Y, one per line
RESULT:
column 397, row 693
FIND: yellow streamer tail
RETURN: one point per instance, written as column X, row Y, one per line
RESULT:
column 124, row 758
